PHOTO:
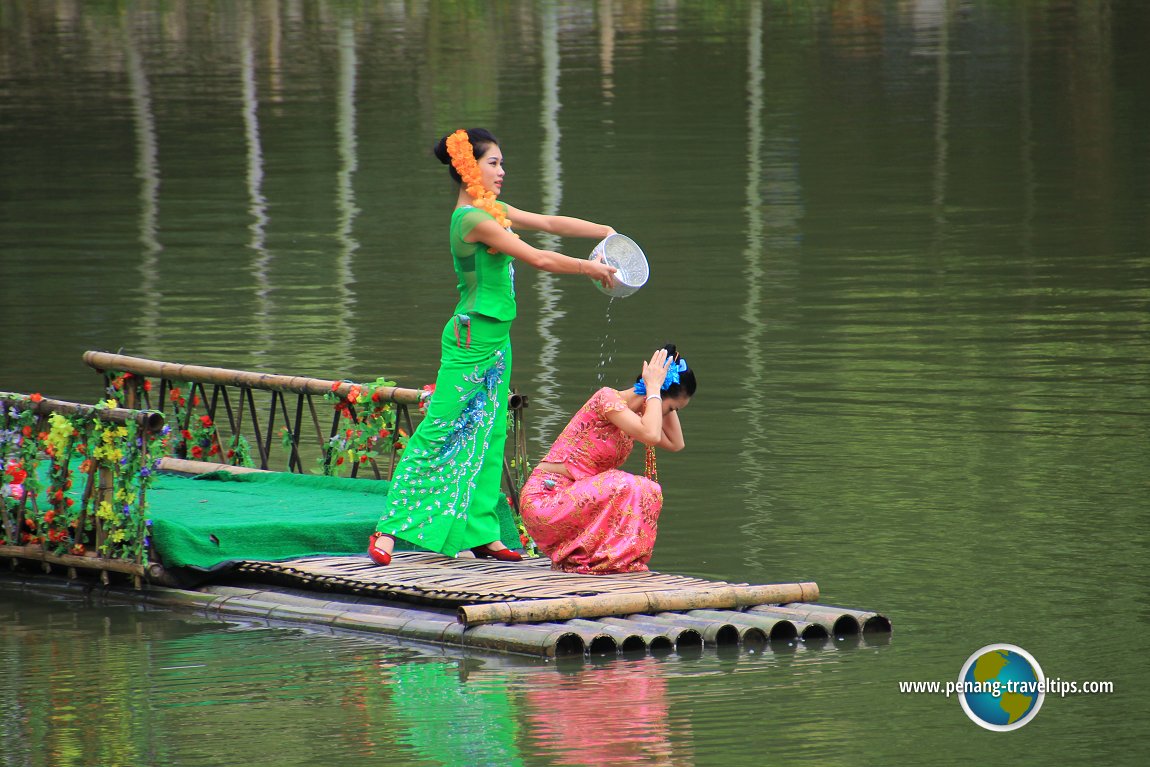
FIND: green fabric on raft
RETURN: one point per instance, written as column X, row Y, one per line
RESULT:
column 221, row 517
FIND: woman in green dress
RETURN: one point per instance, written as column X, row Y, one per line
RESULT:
column 445, row 489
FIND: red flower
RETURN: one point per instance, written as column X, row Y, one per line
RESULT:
column 49, row 515
column 36, row 397
column 185, row 434
column 175, row 392
column 68, row 502
column 147, row 384
column 206, row 420
column 339, row 461
column 27, row 431
column 197, row 452
column 215, row 449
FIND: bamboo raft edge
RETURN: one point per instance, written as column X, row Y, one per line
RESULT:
column 654, row 632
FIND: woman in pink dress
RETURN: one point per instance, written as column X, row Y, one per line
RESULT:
column 585, row 513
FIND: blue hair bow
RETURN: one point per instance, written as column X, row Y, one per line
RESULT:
column 673, row 371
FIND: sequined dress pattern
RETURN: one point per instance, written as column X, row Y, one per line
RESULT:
column 444, row 493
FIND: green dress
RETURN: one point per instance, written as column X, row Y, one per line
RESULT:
column 445, row 490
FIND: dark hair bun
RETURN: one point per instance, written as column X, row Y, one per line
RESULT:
column 441, row 151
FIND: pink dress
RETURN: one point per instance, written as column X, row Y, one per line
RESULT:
column 600, row 519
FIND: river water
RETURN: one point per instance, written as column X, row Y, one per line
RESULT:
column 903, row 244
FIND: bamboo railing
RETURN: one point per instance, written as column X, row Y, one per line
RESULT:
column 108, row 529
column 149, row 420
column 215, row 391
column 290, row 402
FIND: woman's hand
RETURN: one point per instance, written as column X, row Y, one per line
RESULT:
column 655, row 372
column 601, row 273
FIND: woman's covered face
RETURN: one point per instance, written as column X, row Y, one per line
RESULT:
column 491, row 166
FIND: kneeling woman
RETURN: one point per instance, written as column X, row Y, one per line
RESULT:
column 585, row 513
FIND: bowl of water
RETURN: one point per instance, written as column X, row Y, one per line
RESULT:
column 621, row 252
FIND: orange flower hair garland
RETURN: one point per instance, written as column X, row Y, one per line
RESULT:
column 463, row 160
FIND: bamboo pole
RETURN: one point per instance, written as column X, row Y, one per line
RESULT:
column 182, row 466
column 656, row 639
column 869, row 621
column 105, row 492
column 37, row 554
column 226, row 377
column 629, row 640
column 836, row 623
column 596, row 641
column 776, row 628
column 150, row 420
column 718, row 632
column 670, row 600
column 679, row 637
column 529, row 640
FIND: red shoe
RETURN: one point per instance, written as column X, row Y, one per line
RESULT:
column 379, row 556
column 503, row 555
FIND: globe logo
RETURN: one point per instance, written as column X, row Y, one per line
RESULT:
column 1001, row 687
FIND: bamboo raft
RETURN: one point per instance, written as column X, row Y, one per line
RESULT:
column 528, row 608
column 462, row 603
column 523, row 608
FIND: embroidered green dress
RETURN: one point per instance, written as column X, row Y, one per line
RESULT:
column 447, row 484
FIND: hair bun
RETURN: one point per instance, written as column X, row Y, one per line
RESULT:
column 441, row 152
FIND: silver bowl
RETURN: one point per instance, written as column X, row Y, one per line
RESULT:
column 621, row 252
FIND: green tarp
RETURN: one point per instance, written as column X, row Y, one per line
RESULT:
column 215, row 518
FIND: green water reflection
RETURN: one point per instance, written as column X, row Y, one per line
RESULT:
column 903, row 243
